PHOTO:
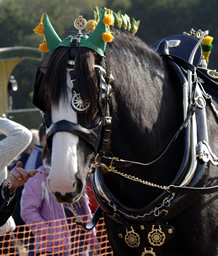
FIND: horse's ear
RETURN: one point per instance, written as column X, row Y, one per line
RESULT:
column 51, row 39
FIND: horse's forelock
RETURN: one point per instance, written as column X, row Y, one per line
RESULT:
column 86, row 78
column 55, row 79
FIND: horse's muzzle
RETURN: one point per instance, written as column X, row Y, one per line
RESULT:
column 70, row 197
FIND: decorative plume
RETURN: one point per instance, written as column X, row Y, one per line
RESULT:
column 99, row 28
column 118, row 19
column 135, row 26
column 207, row 46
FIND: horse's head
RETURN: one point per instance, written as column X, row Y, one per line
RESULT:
column 68, row 94
column 70, row 99
column 72, row 92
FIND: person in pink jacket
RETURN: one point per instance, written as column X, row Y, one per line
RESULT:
column 39, row 206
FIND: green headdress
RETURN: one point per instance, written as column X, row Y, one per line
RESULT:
column 100, row 28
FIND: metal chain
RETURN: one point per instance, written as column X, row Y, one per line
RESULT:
column 75, row 213
column 136, row 179
column 156, row 211
column 78, row 220
column 38, row 171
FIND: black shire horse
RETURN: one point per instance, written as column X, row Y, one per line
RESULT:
column 148, row 139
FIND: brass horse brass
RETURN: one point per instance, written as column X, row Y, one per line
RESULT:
column 156, row 237
column 132, row 238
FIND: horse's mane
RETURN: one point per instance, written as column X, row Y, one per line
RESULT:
column 127, row 58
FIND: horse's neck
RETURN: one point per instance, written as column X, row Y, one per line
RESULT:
column 148, row 115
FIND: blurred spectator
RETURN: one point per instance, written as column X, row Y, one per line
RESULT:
column 38, row 206
column 17, row 137
column 35, row 159
column 23, row 158
column 28, row 150
column 8, row 196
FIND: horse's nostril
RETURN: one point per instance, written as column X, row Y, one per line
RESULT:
column 70, row 197
column 57, row 196
column 66, row 198
column 78, row 186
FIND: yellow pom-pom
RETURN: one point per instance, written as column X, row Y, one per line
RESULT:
column 108, row 19
column 107, row 37
column 43, row 47
column 91, row 25
column 39, row 29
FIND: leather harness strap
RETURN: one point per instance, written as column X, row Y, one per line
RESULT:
column 192, row 190
column 92, row 223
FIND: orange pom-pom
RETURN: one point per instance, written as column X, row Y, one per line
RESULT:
column 108, row 19
column 39, row 29
column 107, row 37
column 43, row 47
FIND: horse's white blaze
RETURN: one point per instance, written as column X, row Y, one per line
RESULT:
column 64, row 149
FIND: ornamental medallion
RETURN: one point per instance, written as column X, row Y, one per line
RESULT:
column 156, row 237
column 78, row 104
column 132, row 238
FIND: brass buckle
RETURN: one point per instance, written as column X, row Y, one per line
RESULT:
column 106, row 118
column 112, row 161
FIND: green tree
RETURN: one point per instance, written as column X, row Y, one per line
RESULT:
column 159, row 19
column 14, row 24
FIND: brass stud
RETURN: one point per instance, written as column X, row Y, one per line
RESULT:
column 170, row 230
column 142, row 227
column 120, row 235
